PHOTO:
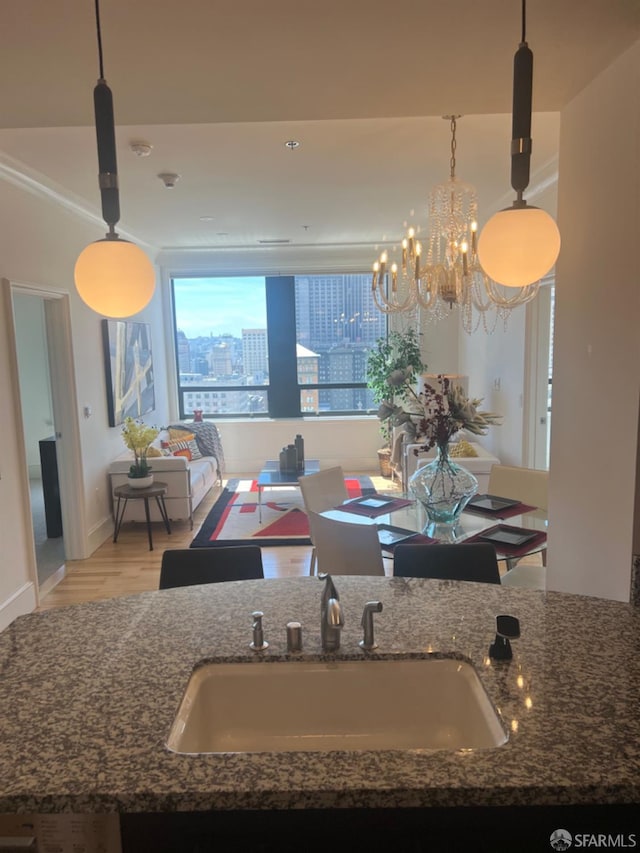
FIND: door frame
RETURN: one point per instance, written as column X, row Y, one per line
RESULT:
column 57, row 311
column 537, row 359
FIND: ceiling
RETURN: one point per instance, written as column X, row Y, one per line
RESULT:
column 218, row 86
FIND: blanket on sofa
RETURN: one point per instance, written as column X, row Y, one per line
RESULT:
column 207, row 439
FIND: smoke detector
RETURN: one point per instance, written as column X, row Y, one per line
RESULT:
column 169, row 179
column 140, row 148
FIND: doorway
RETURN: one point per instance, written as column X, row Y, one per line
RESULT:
column 39, row 430
column 46, row 412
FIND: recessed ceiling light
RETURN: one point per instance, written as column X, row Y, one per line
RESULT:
column 292, row 144
column 207, row 218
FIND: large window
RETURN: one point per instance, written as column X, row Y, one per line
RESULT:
column 274, row 346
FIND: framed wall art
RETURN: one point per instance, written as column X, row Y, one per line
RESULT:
column 129, row 369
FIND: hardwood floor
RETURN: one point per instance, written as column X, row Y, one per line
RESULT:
column 128, row 566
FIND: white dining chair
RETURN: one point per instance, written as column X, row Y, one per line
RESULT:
column 345, row 547
column 528, row 485
column 320, row 492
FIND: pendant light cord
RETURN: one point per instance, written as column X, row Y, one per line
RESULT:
column 99, row 37
column 523, row 40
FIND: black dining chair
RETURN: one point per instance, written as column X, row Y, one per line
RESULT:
column 189, row 566
column 473, row 562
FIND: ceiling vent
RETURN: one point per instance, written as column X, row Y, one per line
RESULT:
column 273, row 242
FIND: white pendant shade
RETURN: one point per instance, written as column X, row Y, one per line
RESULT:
column 115, row 278
column 519, row 245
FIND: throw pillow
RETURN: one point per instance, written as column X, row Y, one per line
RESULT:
column 186, row 452
column 189, row 444
column 462, row 448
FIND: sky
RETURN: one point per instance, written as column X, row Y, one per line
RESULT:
column 220, row 306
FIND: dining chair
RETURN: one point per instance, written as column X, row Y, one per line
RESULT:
column 189, row 566
column 473, row 562
column 322, row 491
column 529, row 485
column 345, row 547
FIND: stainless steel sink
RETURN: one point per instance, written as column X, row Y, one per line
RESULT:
column 319, row 706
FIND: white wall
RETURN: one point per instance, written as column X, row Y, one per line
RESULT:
column 495, row 366
column 39, row 242
column 351, row 442
column 594, row 429
column 33, row 366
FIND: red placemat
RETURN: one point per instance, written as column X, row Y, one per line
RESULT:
column 518, row 509
column 510, row 550
column 359, row 506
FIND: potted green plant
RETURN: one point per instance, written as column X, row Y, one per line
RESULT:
column 138, row 438
column 393, row 368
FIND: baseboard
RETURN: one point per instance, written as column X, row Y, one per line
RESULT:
column 52, row 581
column 22, row 601
column 99, row 534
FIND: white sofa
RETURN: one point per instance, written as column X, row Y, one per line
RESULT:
column 188, row 481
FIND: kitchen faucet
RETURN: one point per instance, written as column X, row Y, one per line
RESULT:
column 331, row 618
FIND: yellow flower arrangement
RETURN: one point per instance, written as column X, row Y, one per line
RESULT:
column 138, row 438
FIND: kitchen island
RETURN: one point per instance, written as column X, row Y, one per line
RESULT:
column 88, row 695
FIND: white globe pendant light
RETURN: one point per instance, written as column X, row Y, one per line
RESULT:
column 113, row 277
column 519, row 245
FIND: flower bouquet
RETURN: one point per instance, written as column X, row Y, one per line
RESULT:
column 138, row 438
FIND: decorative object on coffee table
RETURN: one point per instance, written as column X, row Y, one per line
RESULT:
column 291, row 459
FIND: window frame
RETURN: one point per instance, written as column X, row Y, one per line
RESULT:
column 283, row 390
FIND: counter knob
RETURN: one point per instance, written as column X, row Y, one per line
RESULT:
column 507, row 628
column 258, row 644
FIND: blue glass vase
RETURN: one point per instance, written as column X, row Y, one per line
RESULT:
column 443, row 488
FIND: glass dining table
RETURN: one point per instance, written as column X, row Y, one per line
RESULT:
column 406, row 523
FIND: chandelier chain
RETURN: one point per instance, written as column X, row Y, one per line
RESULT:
column 454, row 144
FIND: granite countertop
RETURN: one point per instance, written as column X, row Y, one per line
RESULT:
column 88, row 694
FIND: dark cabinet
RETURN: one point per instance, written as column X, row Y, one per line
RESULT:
column 51, row 487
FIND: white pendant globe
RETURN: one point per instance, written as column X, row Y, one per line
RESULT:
column 518, row 246
column 114, row 278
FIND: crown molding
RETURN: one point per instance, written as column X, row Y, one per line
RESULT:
column 29, row 180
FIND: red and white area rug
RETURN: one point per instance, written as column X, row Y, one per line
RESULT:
column 234, row 518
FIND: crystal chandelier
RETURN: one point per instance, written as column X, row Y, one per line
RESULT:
column 442, row 272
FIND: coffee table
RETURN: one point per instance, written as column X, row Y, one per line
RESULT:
column 271, row 477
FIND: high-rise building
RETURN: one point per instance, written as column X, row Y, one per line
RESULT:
column 220, row 360
column 308, row 363
column 255, row 359
column 336, row 310
column 184, row 352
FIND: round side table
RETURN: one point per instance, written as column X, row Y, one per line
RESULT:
column 125, row 494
